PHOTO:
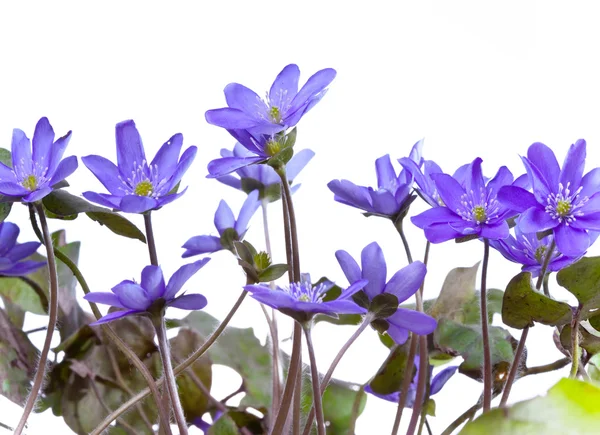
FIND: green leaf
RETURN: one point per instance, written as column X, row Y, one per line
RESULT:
column 523, row 305
column 593, row 368
column 272, row 272
column 117, row 224
column 193, row 400
column 23, row 295
column 223, row 426
column 338, row 400
column 570, row 407
column 6, row 157
column 5, row 208
column 389, row 377
column 466, row 340
column 458, row 289
column 582, row 279
column 587, row 341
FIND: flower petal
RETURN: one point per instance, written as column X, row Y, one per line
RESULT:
column 137, row 204
column 399, row 335
column 439, row 380
column 106, row 298
column 572, row 169
column 184, row 164
column 189, row 302
column 415, row 321
column 285, row 84
column 166, row 158
column 344, row 306
column 132, row 296
column 65, row 168
column 496, row 230
column 536, row 219
column 242, row 98
column 572, row 242
column 373, row 269
column 43, row 137
column 38, row 194
column 406, row 281
column 543, row 158
column 354, row 288
column 114, row 316
column 516, row 198
column 201, row 245
column 180, row 277
column 349, row 266
column 248, row 209
column 231, row 119
column 21, row 251
column 386, row 175
column 449, row 190
column 313, row 86
column 297, row 163
column 590, row 183
column 224, row 218
column 231, row 181
column 21, row 153
column 441, row 232
column 226, row 165
column 153, row 282
column 23, row 268
column 435, row 215
column 105, row 171
column 348, row 193
column 474, row 181
column 502, row 178
column 109, row 201
column 130, row 150
column 57, row 152
column 8, row 237
column 384, row 202
column 7, row 174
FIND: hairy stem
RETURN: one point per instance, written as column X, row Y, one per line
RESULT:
column 406, row 380
column 575, row 352
column 165, row 356
column 325, row 381
column 52, row 318
column 107, row 329
column 556, row 365
column 318, row 404
column 514, row 368
column 487, row 356
column 150, row 238
column 179, row 369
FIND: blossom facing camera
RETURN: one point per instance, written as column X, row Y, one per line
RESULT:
column 13, row 253
column 36, row 167
column 302, row 300
column 470, row 206
column 402, row 285
column 134, row 185
column 282, row 108
column 134, row 298
column 228, row 227
column 563, row 200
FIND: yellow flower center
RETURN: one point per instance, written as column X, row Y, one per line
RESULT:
column 143, row 188
column 30, row 183
column 563, row 208
column 479, row 214
column 304, row 298
column 275, row 114
column 540, row 253
column 272, row 147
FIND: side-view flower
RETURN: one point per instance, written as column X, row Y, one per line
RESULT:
column 12, row 253
column 134, row 185
column 36, row 169
column 134, row 298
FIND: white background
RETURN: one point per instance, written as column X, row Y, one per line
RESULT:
column 474, row 78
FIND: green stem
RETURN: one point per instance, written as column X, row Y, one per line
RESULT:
column 487, row 356
column 512, row 374
column 165, row 355
column 318, row 404
column 107, row 329
column 150, row 239
column 575, row 351
column 325, row 381
column 556, row 365
column 400, row 228
column 179, row 369
column 355, row 408
column 52, row 318
column 406, row 381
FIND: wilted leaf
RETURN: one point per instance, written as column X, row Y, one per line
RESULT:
column 570, row 407
column 523, row 305
column 458, row 288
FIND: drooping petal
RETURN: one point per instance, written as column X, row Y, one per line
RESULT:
column 153, row 282
column 398, row 334
column 38, row 194
column 570, row 241
column 137, row 204
column 285, row 83
column 231, row 181
column 132, row 296
column 543, row 158
column 439, row 380
column 180, row 277
column 106, row 298
column 189, row 302
column 373, row 269
column 516, row 198
column 248, row 209
column 572, row 169
column 105, row 171
column 441, row 232
column 130, row 150
column 224, row 217
column 114, row 316
column 109, row 201
column 226, row 165
column 166, row 158
column 536, row 219
column 415, row 321
column 21, row 153
column 43, row 137
column 273, row 298
column 65, row 168
column 201, row 245
column 386, row 175
column 349, row 266
column 496, row 230
column 350, row 194
column 21, row 251
column 406, row 281
column 231, row 119
column 298, row 162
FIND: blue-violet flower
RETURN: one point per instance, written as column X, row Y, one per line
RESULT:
column 134, row 185
column 12, row 253
column 36, row 171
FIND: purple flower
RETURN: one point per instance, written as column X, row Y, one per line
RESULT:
column 136, row 298
column 228, row 227
column 263, row 177
column 528, row 250
column 563, row 200
column 283, row 107
column 422, row 177
column 36, row 171
column 135, row 186
column 302, row 300
column 437, row 383
column 403, row 285
column 11, row 252
column 469, row 209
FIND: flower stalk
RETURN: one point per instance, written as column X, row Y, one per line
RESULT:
column 487, row 355
column 150, row 238
column 318, row 404
column 575, row 350
column 52, row 318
